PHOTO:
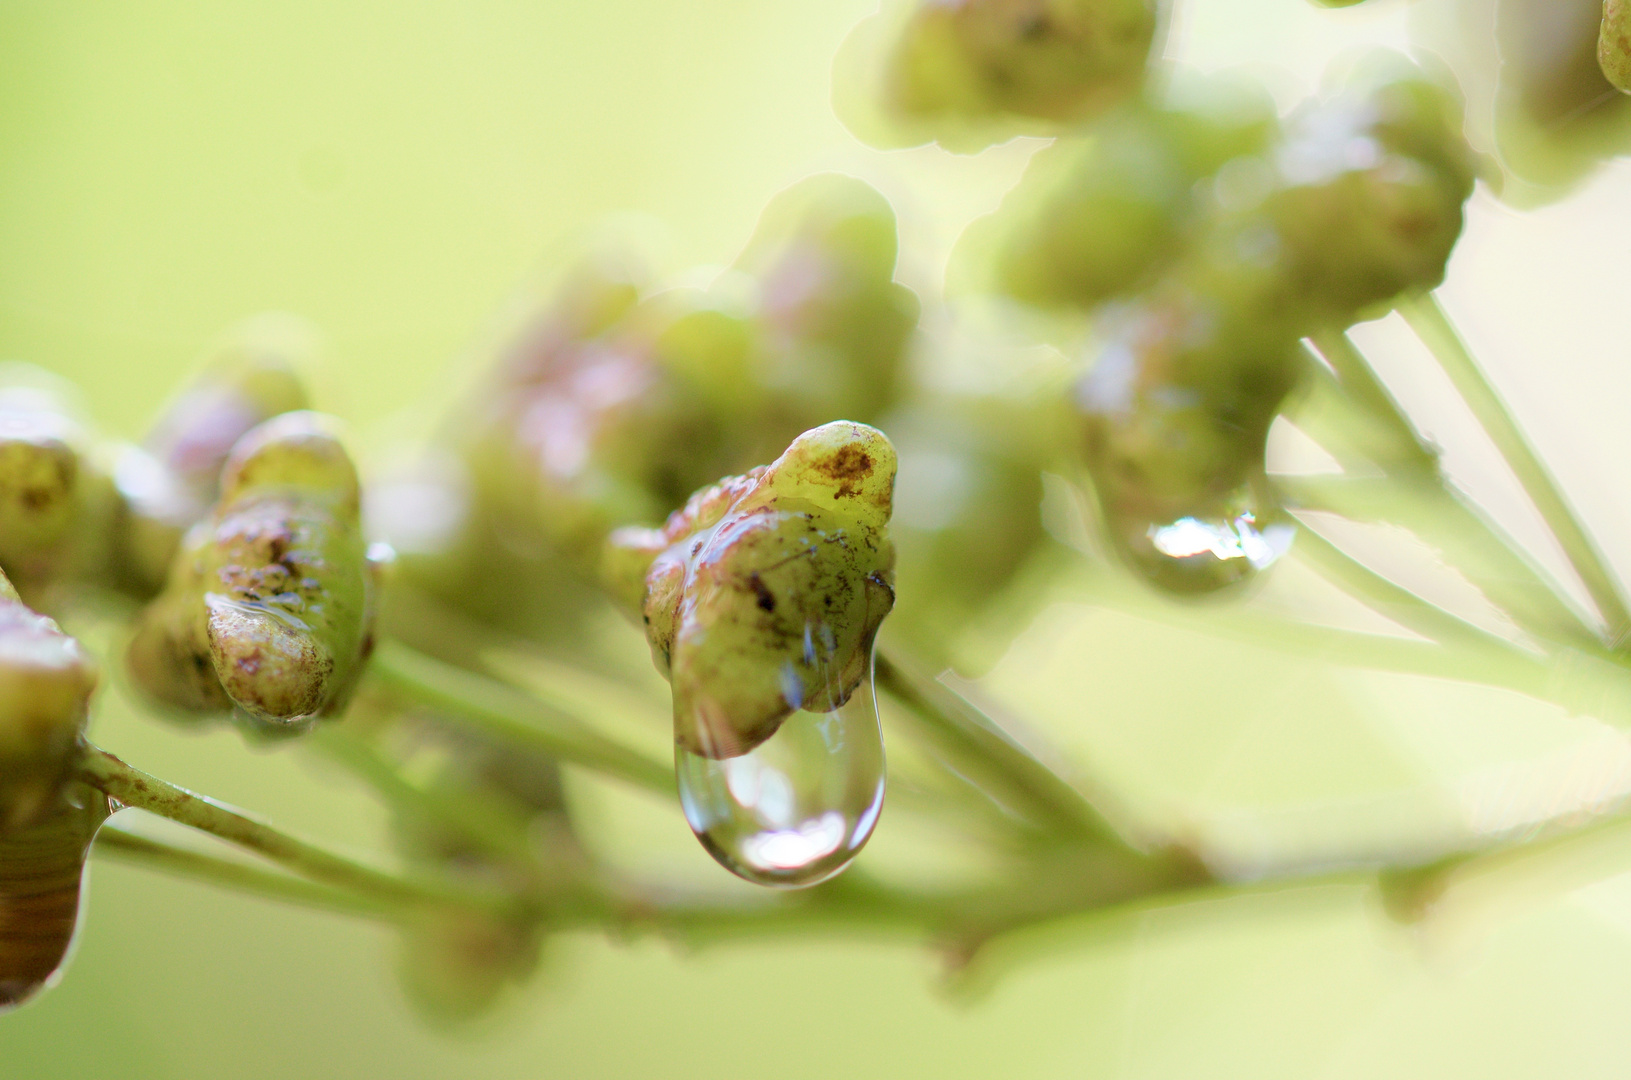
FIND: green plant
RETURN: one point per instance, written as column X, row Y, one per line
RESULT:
column 621, row 402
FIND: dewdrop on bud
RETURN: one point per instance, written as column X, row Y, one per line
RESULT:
column 761, row 602
column 269, row 604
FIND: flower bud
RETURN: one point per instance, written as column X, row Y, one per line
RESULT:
column 1371, row 191
column 1614, row 44
column 972, row 72
column 171, row 481
column 835, row 322
column 51, row 504
column 1173, row 421
column 1096, row 215
column 770, row 588
column 269, row 603
column 46, row 680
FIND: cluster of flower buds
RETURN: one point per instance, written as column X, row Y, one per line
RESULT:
column 615, row 405
column 170, row 482
column 1104, row 210
column 268, row 608
column 47, row 818
column 1359, row 202
column 762, row 595
column 967, row 73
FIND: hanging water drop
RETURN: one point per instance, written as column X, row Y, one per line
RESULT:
column 1204, row 552
column 797, row 809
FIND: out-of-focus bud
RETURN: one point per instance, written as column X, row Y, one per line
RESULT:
column 968, row 73
column 1538, row 99
column 765, row 592
column 1174, row 417
column 456, row 966
column 1370, row 190
column 269, row 602
column 46, row 680
column 836, row 324
column 170, row 482
column 967, row 522
column 51, row 496
column 41, row 870
column 1614, row 44
column 1098, row 214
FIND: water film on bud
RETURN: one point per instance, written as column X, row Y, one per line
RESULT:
column 796, row 809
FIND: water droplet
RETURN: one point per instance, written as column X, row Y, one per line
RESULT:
column 796, row 809
column 1202, row 554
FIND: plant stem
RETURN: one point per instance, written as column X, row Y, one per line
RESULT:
column 507, row 713
column 1430, row 322
column 132, row 787
column 232, row 874
column 1358, row 379
column 989, row 753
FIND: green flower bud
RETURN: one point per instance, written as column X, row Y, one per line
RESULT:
column 764, row 593
column 971, row 72
column 1173, row 421
column 1614, row 44
column 269, row 603
column 1371, row 186
column 164, row 486
column 456, row 966
column 52, row 498
column 835, row 321
column 41, row 871
column 46, row 680
column 1096, row 215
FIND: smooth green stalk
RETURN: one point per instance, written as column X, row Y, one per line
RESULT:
column 514, row 716
column 132, row 787
column 1356, row 377
column 232, row 874
column 1430, row 322
column 992, row 755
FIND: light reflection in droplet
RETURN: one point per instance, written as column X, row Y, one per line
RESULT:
column 798, row 808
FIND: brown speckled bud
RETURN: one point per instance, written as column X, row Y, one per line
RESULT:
column 1614, row 44
column 771, row 588
column 269, row 603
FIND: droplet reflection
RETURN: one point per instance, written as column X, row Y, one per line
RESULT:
column 1198, row 555
column 795, row 810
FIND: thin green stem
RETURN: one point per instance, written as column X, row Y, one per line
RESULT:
column 232, row 874
column 1356, row 377
column 1436, row 331
column 991, row 755
column 132, row 787
column 503, row 711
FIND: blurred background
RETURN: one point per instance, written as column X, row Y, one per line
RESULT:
column 396, row 173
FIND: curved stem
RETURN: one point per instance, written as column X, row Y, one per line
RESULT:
column 232, row 874
column 132, row 787
column 1430, row 322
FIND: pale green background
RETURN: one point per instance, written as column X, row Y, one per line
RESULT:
column 396, row 172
